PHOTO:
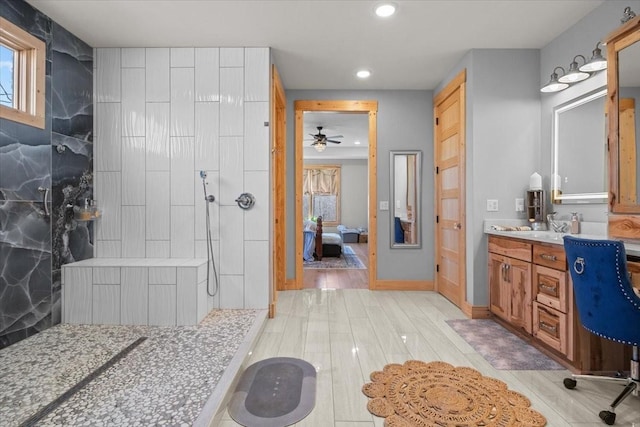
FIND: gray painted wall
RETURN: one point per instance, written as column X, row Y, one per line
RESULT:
column 404, row 123
column 354, row 212
column 579, row 39
column 503, row 144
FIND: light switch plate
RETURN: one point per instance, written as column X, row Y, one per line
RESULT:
column 519, row 205
column 384, row 205
column 492, row 205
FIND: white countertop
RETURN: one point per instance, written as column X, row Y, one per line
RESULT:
column 557, row 238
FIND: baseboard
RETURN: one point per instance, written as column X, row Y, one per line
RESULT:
column 475, row 311
column 403, row 285
column 290, row 285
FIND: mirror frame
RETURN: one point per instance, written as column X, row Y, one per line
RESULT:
column 418, row 209
column 575, row 198
column 621, row 38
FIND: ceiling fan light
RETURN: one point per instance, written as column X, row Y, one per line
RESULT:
column 363, row 74
column 320, row 146
column 385, row 10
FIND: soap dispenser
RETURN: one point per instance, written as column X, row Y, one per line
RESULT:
column 575, row 223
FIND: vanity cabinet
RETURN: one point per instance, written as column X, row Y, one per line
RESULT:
column 510, row 281
column 530, row 291
column 552, row 315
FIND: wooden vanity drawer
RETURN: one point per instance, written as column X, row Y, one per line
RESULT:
column 552, row 256
column 550, row 327
column 550, row 287
column 509, row 247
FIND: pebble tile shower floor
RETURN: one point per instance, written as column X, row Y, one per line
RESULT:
column 166, row 380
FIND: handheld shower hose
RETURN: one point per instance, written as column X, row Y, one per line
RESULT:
column 211, row 264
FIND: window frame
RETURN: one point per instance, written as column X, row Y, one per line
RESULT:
column 338, row 194
column 29, row 75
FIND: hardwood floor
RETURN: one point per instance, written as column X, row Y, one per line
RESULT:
column 343, row 278
column 347, row 334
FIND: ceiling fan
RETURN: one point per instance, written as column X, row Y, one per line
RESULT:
column 320, row 140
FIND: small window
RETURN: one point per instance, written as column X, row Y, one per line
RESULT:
column 321, row 193
column 22, row 76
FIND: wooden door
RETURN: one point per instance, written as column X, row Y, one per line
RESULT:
column 498, row 290
column 278, row 179
column 519, row 278
column 449, row 141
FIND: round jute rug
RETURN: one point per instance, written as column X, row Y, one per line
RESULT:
column 418, row 394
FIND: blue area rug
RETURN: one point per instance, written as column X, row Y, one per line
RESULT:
column 502, row 349
column 348, row 259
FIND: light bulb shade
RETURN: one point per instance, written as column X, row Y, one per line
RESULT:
column 554, row 85
column 574, row 74
column 596, row 63
column 320, row 146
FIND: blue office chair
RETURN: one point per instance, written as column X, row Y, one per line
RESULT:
column 607, row 305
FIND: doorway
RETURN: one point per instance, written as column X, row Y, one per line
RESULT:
column 449, row 145
column 352, row 107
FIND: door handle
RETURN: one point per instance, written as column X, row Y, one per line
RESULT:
column 457, row 225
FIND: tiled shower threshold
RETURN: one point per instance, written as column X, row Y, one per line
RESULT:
column 177, row 376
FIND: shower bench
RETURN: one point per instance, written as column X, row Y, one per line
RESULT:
column 135, row 291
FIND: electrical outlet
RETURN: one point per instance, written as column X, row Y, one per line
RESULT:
column 492, row 205
column 519, row 205
column 384, row 205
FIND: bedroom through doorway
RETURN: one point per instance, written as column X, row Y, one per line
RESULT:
column 333, row 195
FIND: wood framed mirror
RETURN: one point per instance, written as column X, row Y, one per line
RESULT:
column 623, row 97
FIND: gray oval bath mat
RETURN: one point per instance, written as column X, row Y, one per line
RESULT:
column 274, row 392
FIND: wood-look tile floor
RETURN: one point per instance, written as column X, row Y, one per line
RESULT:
column 347, row 334
column 340, row 278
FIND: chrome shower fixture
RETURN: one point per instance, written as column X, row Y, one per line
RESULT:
column 208, row 197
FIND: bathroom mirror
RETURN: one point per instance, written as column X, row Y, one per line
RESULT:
column 629, row 123
column 580, row 150
column 404, row 200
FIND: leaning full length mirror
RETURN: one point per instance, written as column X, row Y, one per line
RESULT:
column 580, row 150
column 406, row 171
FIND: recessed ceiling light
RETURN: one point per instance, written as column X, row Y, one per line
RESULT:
column 356, row 142
column 363, row 74
column 385, row 10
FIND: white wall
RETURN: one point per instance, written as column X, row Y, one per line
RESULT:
column 162, row 115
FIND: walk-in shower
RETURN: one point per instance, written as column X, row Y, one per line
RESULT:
column 211, row 264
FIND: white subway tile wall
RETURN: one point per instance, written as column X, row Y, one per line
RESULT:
column 162, row 115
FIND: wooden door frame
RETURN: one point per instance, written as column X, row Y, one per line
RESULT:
column 342, row 106
column 458, row 82
column 278, row 188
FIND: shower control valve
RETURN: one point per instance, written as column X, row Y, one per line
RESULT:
column 246, row 201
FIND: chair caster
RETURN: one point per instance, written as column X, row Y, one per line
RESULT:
column 570, row 383
column 608, row 417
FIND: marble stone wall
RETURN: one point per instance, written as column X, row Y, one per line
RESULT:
column 33, row 246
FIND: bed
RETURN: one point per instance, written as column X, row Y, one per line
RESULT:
column 318, row 244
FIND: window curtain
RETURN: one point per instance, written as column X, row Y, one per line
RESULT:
column 321, row 181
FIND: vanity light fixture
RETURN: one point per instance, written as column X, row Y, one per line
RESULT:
column 363, row 74
column 574, row 74
column 385, row 10
column 320, row 146
column 554, row 84
column 597, row 61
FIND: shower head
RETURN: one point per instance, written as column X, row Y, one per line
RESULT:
column 203, row 174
